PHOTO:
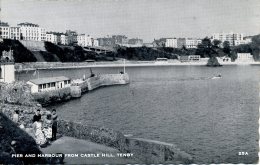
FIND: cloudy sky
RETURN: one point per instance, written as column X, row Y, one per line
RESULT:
column 147, row 19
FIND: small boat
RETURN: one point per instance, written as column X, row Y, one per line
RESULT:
column 217, row 77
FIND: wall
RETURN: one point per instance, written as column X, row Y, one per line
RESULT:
column 144, row 150
column 7, row 71
column 34, row 45
column 107, row 79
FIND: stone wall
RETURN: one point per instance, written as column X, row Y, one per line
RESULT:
column 112, row 79
column 144, row 151
column 106, row 80
column 34, row 45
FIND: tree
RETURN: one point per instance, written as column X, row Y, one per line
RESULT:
column 205, row 49
column 226, row 48
column 216, row 43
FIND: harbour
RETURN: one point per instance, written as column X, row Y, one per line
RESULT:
column 158, row 104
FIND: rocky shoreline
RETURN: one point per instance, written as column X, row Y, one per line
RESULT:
column 17, row 97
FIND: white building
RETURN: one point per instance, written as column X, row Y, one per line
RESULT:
column 230, row 37
column 192, row 43
column 7, row 71
column 7, row 32
column 32, row 32
column 64, row 39
column 86, row 40
column 244, row 57
column 171, row 42
column 15, row 33
column 194, row 57
column 4, row 30
column 53, row 38
column 49, row 83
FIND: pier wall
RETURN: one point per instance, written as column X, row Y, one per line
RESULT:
column 107, row 80
column 144, row 150
column 52, row 96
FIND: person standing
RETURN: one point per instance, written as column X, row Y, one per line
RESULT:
column 54, row 124
column 15, row 116
column 39, row 135
column 48, row 128
column 37, row 116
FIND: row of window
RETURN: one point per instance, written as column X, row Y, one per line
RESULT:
column 48, row 85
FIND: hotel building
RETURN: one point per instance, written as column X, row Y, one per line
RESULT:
column 86, row 40
column 7, row 32
column 231, row 37
column 32, row 32
column 171, row 42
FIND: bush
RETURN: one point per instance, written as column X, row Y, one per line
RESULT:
column 52, row 96
column 15, row 93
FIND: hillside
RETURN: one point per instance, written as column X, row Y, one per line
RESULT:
column 21, row 53
column 25, row 144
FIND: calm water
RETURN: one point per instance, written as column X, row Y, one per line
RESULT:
column 213, row 120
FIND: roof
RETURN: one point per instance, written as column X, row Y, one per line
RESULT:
column 27, row 23
column 48, row 80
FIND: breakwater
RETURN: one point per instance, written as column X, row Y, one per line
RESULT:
column 79, row 87
column 144, row 150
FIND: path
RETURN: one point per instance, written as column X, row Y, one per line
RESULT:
column 68, row 145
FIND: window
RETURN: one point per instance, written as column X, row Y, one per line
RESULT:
column 44, row 86
column 65, row 82
column 40, row 86
column 48, row 85
column 53, row 84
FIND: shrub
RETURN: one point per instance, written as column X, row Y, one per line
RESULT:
column 51, row 96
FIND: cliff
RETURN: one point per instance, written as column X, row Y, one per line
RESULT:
column 25, row 144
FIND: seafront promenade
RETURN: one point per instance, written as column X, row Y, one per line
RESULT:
column 72, row 65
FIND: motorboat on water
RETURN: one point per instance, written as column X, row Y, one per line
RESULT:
column 217, row 77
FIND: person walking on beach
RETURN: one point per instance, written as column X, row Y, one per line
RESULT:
column 37, row 116
column 54, row 124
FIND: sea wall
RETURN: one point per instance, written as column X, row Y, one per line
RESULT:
column 53, row 96
column 144, row 150
column 107, row 80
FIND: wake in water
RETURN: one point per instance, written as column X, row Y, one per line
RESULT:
column 182, row 79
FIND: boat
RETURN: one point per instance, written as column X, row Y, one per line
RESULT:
column 217, row 77
column 161, row 61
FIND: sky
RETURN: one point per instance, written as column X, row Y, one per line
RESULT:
column 146, row 19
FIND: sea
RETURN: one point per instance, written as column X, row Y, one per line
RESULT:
column 214, row 120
